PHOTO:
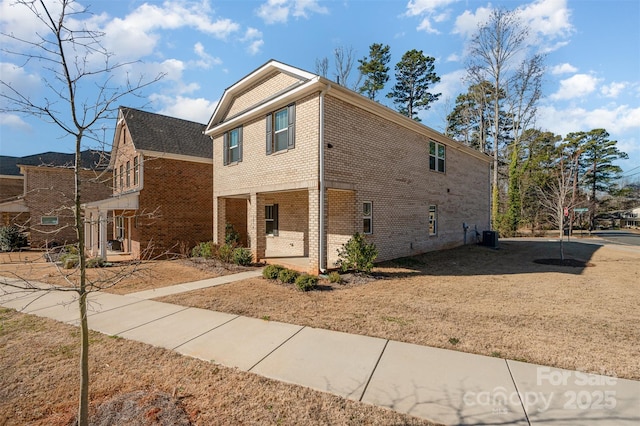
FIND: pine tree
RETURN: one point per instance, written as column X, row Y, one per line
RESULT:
column 375, row 70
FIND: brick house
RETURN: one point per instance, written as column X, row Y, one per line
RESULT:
column 301, row 164
column 162, row 188
column 11, row 188
column 44, row 207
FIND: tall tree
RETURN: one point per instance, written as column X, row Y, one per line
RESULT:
column 79, row 76
column 492, row 51
column 374, row 69
column 415, row 73
column 344, row 60
column 322, row 66
column 469, row 121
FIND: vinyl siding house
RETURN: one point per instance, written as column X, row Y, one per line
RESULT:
column 44, row 207
column 301, row 164
column 162, row 188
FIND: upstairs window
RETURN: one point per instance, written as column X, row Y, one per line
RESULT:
column 136, row 171
column 121, row 176
column 128, row 174
column 436, row 156
column 233, row 146
column 281, row 129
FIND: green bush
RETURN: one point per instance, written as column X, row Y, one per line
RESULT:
column 231, row 236
column 271, row 272
column 357, row 254
column 288, row 276
column 96, row 262
column 242, row 256
column 11, row 238
column 335, row 277
column 205, row 249
column 225, row 253
column 306, row 282
column 69, row 260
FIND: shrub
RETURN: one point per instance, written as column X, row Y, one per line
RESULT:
column 11, row 238
column 288, row 276
column 306, row 282
column 271, row 272
column 231, row 236
column 205, row 249
column 70, row 260
column 357, row 254
column 242, row 256
column 225, row 253
column 96, row 262
column 335, row 277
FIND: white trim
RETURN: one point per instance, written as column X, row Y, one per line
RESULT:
column 122, row 202
column 178, row 157
column 16, row 177
column 14, row 206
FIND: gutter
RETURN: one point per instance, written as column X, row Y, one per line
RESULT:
column 321, row 225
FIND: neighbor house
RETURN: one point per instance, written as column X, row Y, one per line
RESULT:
column 302, row 163
column 162, row 188
column 45, row 206
column 11, row 188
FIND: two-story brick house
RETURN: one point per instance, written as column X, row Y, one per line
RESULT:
column 301, row 163
column 44, row 207
column 162, row 187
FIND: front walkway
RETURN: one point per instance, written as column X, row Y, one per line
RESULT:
column 441, row 385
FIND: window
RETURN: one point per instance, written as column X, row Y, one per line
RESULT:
column 433, row 220
column 233, row 146
column 271, row 219
column 367, row 217
column 281, row 129
column 115, row 178
column 436, row 156
column 48, row 220
column 121, row 176
column 120, row 228
column 136, row 171
column 128, row 174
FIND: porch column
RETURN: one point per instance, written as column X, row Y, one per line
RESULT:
column 102, row 223
column 255, row 226
column 220, row 209
column 314, row 234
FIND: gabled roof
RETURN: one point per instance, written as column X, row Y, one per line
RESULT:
column 90, row 159
column 168, row 135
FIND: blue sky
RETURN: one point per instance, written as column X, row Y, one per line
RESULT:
column 592, row 47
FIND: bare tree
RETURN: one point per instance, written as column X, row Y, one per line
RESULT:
column 322, row 66
column 76, row 64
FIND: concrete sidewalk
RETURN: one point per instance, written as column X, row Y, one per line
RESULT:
column 441, row 385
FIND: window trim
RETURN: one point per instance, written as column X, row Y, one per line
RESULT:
column 367, row 217
column 435, row 157
column 291, row 129
column 433, row 220
column 49, row 220
column 227, row 146
column 136, row 171
column 274, row 218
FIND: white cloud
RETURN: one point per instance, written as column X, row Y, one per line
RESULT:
column 451, row 84
column 426, row 26
column 192, row 109
column 419, row 7
column 454, row 57
column 254, row 38
column 19, row 79
column 277, row 11
column 615, row 119
column 613, row 90
column 576, row 86
column 15, row 122
column 206, row 60
column 468, row 22
column 549, row 18
column 563, row 69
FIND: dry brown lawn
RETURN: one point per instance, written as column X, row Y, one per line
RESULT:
column 474, row 299
column 39, row 383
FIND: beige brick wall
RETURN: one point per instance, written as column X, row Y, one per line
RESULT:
column 341, row 222
column 11, row 187
column 293, row 224
column 266, row 88
column 389, row 166
column 125, row 152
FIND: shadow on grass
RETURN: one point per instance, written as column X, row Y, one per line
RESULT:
column 512, row 257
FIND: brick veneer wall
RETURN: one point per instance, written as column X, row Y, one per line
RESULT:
column 389, row 165
column 175, row 205
column 49, row 191
column 276, row 82
column 11, row 187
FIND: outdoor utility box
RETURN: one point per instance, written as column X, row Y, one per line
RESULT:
column 490, row 238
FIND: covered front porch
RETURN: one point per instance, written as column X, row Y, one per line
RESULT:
column 285, row 227
column 109, row 227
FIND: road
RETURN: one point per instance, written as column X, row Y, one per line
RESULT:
column 618, row 236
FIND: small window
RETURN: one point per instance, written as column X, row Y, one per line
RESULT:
column 136, row 170
column 433, row 220
column 233, row 146
column 367, row 217
column 128, row 174
column 121, row 176
column 436, row 156
column 115, row 178
column 271, row 219
column 49, row 220
column 281, row 129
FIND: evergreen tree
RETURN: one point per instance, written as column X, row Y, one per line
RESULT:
column 375, row 70
column 414, row 74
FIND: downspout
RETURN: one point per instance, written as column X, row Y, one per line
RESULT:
column 321, row 224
